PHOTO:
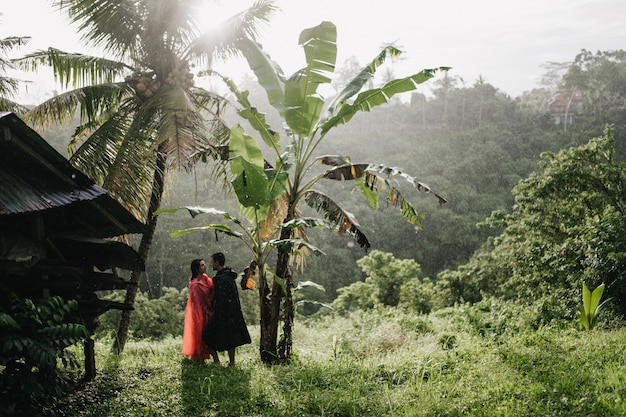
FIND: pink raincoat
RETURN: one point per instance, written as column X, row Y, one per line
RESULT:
column 199, row 304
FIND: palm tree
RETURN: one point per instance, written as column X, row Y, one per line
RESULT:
column 140, row 111
column 270, row 193
column 8, row 85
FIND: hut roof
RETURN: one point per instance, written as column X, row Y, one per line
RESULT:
column 35, row 178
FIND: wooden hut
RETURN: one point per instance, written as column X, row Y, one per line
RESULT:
column 55, row 229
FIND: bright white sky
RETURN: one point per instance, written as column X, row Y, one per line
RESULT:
column 504, row 41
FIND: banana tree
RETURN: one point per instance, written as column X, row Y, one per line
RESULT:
column 270, row 189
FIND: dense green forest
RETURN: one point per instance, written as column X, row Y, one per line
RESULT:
column 471, row 144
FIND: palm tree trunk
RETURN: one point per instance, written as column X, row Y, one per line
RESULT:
column 158, row 185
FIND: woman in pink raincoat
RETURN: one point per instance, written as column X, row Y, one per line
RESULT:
column 198, row 312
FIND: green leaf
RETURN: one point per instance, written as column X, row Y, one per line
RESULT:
column 244, row 147
column 366, row 74
column 268, row 73
column 300, row 302
column 73, row 69
column 303, row 105
column 369, row 99
column 294, row 245
column 222, row 228
column 251, row 185
column 307, row 222
column 193, row 211
column 304, row 284
column 343, row 221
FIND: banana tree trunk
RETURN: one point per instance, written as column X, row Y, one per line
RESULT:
column 158, row 185
column 270, row 307
column 267, row 343
column 286, row 342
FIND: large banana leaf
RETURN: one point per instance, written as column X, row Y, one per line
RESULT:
column 340, row 219
column 254, row 117
column 357, row 83
column 294, row 246
column 268, row 73
column 369, row 99
column 372, row 177
column 256, row 187
column 194, row 211
column 243, row 147
column 370, row 184
column 222, row 228
column 302, row 102
column 320, row 50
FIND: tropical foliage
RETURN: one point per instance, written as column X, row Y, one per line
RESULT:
column 9, row 86
column 591, row 306
column 33, row 338
column 141, row 113
column 567, row 228
column 270, row 193
column 388, row 282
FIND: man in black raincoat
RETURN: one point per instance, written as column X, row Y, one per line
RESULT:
column 227, row 329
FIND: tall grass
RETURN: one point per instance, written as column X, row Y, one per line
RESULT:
column 377, row 363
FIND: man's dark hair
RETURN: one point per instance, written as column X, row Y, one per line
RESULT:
column 219, row 258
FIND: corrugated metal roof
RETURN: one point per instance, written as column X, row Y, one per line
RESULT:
column 21, row 194
column 35, row 178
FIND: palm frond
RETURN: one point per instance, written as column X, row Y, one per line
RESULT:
column 11, row 42
column 343, row 221
column 109, row 155
column 9, row 105
column 72, row 69
column 93, row 147
column 95, row 104
column 223, row 40
column 113, row 25
column 172, row 117
column 9, row 86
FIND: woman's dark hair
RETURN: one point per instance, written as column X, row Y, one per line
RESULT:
column 219, row 258
column 195, row 267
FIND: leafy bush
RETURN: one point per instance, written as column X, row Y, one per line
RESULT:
column 417, row 295
column 356, row 296
column 33, row 338
column 389, row 282
column 154, row 318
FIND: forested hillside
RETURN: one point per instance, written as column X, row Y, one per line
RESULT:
column 471, row 143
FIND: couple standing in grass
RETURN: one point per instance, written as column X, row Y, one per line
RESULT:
column 214, row 321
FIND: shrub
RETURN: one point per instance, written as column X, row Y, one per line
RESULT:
column 33, row 338
column 154, row 318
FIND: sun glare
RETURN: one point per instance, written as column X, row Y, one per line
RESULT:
column 214, row 12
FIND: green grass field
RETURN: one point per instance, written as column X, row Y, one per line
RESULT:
column 372, row 364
